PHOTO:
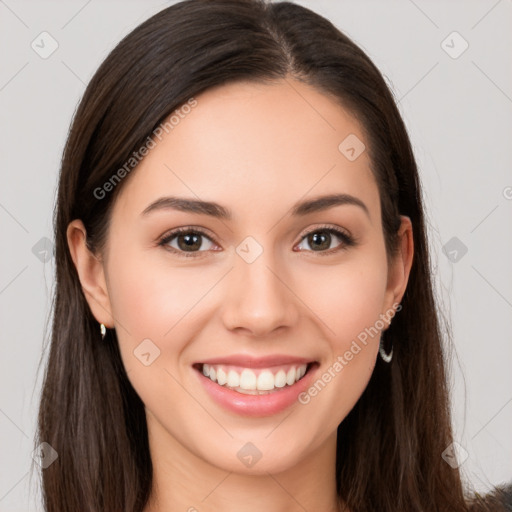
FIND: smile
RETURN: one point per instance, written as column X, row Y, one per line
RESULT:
column 255, row 387
column 254, row 382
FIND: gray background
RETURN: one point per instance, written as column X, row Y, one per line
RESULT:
column 458, row 112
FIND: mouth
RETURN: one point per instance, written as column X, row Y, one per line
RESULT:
column 255, row 387
column 254, row 381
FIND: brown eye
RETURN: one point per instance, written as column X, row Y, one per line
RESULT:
column 186, row 240
column 189, row 241
column 324, row 240
column 319, row 240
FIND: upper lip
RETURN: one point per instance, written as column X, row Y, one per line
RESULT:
column 248, row 361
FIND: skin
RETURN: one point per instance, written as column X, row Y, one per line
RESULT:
column 257, row 150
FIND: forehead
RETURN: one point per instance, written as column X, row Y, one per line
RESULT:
column 255, row 144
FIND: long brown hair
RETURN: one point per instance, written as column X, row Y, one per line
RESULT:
column 390, row 446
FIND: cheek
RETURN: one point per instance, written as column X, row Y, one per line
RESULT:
column 346, row 298
column 157, row 307
column 155, row 300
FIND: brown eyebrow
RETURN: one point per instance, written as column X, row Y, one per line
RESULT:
column 216, row 210
column 189, row 205
column 323, row 202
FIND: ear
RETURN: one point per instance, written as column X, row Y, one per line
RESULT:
column 400, row 266
column 90, row 272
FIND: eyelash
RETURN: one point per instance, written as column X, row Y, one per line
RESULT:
column 346, row 240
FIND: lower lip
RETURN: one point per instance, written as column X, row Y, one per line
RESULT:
column 256, row 405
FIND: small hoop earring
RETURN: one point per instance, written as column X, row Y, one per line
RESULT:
column 103, row 331
column 385, row 356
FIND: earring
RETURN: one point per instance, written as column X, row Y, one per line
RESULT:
column 103, row 331
column 385, row 356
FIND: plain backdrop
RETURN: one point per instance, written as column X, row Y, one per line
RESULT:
column 448, row 64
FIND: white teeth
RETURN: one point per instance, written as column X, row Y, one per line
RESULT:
column 280, row 379
column 233, row 379
column 265, row 380
column 290, row 376
column 250, row 381
column 222, row 378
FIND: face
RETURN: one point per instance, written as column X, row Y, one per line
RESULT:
column 256, row 289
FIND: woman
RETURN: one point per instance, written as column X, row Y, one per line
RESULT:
column 244, row 316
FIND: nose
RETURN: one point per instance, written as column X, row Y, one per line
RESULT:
column 259, row 300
